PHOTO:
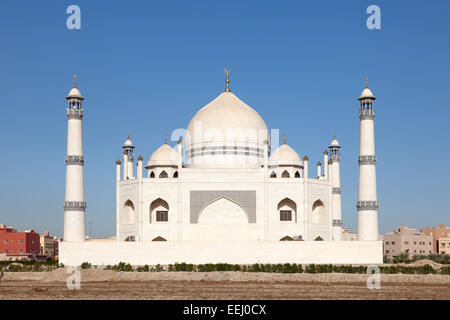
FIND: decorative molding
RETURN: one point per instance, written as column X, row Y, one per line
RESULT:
column 74, row 205
column 367, row 205
column 73, row 113
column 367, row 159
column 337, row 223
column 366, row 114
column 74, row 160
column 336, row 190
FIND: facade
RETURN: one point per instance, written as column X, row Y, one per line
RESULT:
column 15, row 244
column 409, row 241
column 226, row 185
column 444, row 245
column 441, row 232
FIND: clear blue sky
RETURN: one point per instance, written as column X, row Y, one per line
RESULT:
column 148, row 66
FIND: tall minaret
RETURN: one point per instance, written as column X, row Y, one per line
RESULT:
column 128, row 159
column 367, row 204
column 335, row 158
column 74, row 204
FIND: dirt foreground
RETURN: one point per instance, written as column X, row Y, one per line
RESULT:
column 107, row 284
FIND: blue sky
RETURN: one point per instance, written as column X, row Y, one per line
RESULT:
column 148, row 66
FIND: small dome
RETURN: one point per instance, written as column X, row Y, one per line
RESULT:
column 163, row 156
column 366, row 94
column 286, row 156
column 128, row 143
column 335, row 143
column 75, row 93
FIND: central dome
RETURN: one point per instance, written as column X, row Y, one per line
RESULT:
column 226, row 133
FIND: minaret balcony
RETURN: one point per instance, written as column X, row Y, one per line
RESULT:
column 336, row 190
column 366, row 114
column 73, row 113
column 74, row 205
column 367, row 159
column 367, row 205
column 337, row 223
column 75, row 160
column 335, row 157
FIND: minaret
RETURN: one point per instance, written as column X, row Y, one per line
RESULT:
column 367, row 204
column 335, row 178
column 74, row 204
column 128, row 159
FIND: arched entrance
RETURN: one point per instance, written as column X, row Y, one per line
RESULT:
column 223, row 220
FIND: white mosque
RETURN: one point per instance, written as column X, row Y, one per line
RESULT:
column 225, row 193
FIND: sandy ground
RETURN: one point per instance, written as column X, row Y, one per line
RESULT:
column 106, row 284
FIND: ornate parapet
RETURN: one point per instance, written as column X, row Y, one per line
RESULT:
column 365, row 114
column 367, row 159
column 74, row 205
column 336, row 190
column 367, row 205
column 73, row 113
column 75, row 160
column 337, row 223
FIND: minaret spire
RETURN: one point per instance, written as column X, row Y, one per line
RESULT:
column 227, row 81
column 367, row 204
column 335, row 178
column 74, row 204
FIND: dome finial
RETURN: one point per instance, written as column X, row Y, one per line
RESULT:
column 284, row 138
column 227, row 71
column 74, row 80
column 165, row 138
column 367, row 81
column 334, row 134
column 128, row 134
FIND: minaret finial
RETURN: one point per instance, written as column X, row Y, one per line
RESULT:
column 334, row 134
column 284, row 138
column 74, row 80
column 165, row 138
column 367, row 81
column 128, row 134
column 227, row 89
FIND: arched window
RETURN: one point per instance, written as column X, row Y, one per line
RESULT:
column 128, row 212
column 273, row 174
column 285, row 174
column 287, row 210
column 163, row 174
column 152, row 174
column 318, row 212
column 286, row 238
column 175, row 174
column 297, row 174
column 159, row 238
column 159, row 211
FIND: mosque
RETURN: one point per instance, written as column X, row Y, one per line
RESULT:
column 227, row 192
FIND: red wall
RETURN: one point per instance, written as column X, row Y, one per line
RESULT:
column 30, row 242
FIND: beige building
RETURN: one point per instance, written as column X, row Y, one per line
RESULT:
column 444, row 245
column 409, row 241
column 441, row 232
column 48, row 245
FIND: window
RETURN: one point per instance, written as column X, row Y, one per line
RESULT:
column 152, row 174
column 20, row 251
column 297, row 174
column 387, row 242
column 393, row 242
column 5, row 251
column 20, row 241
column 285, row 174
column 387, row 251
column 273, row 174
column 406, row 242
column 163, row 174
column 285, row 215
column 175, row 175
column 162, row 215
column 415, row 242
column 5, row 241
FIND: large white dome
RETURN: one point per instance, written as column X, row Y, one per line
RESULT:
column 226, row 133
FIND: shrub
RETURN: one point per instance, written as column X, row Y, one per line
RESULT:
column 445, row 270
column 85, row 265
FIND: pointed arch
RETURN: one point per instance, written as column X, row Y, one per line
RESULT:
column 286, row 238
column 273, row 174
column 152, row 174
column 175, row 174
column 226, row 198
column 318, row 212
column 287, row 210
column 163, row 174
column 285, row 174
column 319, row 238
column 297, row 174
column 159, row 211
column 128, row 212
column 159, row 238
